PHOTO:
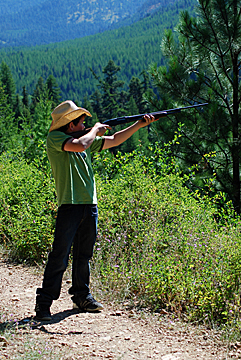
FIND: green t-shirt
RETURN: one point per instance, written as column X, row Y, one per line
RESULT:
column 72, row 171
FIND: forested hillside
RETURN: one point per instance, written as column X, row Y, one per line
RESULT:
column 46, row 21
column 133, row 48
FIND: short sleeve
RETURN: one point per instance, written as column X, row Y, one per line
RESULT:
column 97, row 144
column 56, row 140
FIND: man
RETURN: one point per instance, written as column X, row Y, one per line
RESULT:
column 76, row 222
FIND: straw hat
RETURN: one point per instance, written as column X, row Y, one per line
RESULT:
column 66, row 112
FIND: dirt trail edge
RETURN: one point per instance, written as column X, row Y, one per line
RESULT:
column 114, row 333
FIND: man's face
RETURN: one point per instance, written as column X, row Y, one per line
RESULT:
column 80, row 126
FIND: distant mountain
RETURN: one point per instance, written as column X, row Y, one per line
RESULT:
column 14, row 6
column 36, row 22
column 132, row 47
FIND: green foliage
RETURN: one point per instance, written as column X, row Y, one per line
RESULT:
column 27, row 209
column 203, row 68
column 137, row 90
column 8, row 123
column 53, row 91
column 111, row 95
column 35, row 129
column 7, row 81
column 23, row 127
column 161, row 246
column 111, row 101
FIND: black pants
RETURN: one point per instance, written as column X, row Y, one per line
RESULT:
column 77, row 225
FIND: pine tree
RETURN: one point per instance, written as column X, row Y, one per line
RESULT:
column 132, row 107
column 96, row 103
column 53, row 90
column 25, row 111
column 8, row 84
column 8, row 125
column 110, row 86
column 204, row 66
column 38, row 93
column 18, row 108
column 89, row 121
column 25, row 99
column 136, row 91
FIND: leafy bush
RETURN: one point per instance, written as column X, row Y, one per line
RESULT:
column 27, row 209
column 163, row 248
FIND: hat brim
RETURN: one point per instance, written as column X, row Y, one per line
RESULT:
column 65, row 119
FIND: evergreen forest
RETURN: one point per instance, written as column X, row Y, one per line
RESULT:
column 132, row 48
column 169, row 197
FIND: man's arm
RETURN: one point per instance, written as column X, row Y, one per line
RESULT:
column 121, row 136
column 84, row 142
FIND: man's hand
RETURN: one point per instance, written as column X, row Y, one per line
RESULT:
column 122, row 135
column 83, row 142
column 147, row 120
column 101, row 128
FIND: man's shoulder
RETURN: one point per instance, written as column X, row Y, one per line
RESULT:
column 55, row 134
column 56, row 139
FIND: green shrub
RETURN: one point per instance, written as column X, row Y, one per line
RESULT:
column 27, row 209
column 163, row 248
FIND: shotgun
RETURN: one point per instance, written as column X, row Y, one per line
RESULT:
column 128, row 119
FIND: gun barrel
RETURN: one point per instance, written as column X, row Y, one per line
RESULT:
column 158, row 114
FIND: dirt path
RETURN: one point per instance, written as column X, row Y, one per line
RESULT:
column 111, row 334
